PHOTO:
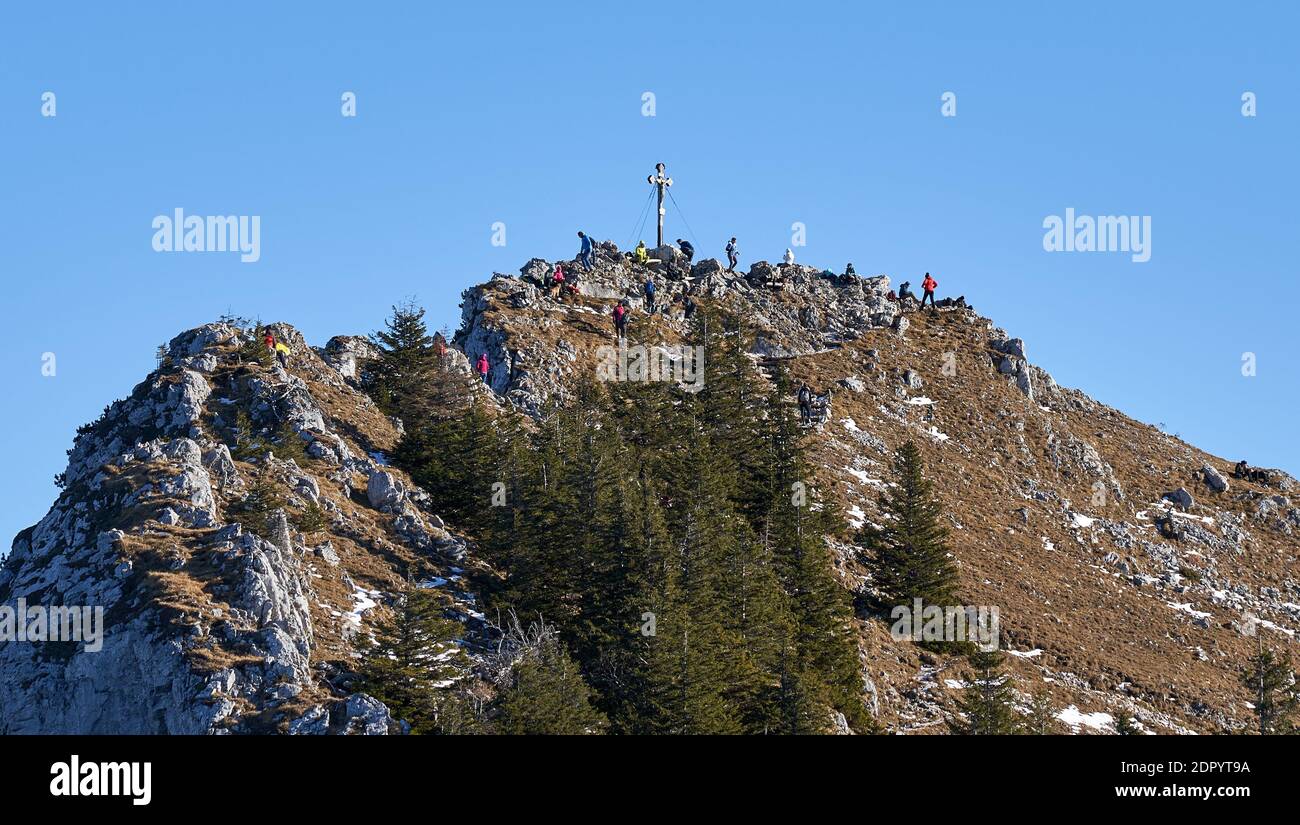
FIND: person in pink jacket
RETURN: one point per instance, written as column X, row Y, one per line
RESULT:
column 483, row 367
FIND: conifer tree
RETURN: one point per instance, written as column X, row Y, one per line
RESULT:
column 1125, row 725
column 451, row 459
column 400, row 379
column 312, row 519
column 985, row 707
column 1042, row 719
column 287, row 445
column 911, row 551
column 262, row 499
column 821, row 611
column 732, row 406
column 253, row 351
column 545, row 694
column 245, row 442
column 1272, row 685
column 413, row 654
column 695, row 663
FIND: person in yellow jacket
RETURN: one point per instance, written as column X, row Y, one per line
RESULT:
column 640, row 255
column 282, row 353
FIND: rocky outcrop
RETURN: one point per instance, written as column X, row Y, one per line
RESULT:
column 209, row 623
column 512, row 320
column 349, row 354
column 1214, row 479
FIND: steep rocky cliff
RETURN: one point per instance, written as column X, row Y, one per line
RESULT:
column 1130, row 573
column 211, row 627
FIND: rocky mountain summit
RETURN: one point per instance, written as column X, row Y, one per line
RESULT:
column 241, row 525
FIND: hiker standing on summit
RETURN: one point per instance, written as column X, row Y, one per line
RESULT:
column 588, row 253
column 928, row 286
column 733, row 255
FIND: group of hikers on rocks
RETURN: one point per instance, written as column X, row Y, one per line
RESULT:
column 1245, row 472
column 623, row 309
column 561, row 284
column 277, row 348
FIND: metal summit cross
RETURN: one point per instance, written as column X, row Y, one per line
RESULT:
column 660, row 180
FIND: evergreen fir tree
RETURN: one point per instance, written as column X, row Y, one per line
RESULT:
column 312, row 519
column 695, row 661
column 451, row 459
column 985, row 707
column 246, row 443
column 1125, row 725
column 911, row 552
column 408, row 660
column 262, row 499
column 654, row 529
column 546, row 695
column 821, row 610
column 399, row 380
column 1272, row 686
column 253, row 350
column 1042, row 719
column 287, row 445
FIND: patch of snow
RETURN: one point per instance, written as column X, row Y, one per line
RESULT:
column 921, row 401
column 850, row 425
column 362, row 600
column 1026, row 654
column 1189, row 610
column 1047, row 544
column 1081, row 520
column 1276, row 627
column 858, row 474
column 1075, row 718
column 934, row 433
column 857, row 518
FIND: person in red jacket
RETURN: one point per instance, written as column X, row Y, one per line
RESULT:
column 928, row 285
column 620, row 320
column 483, row 367
column 269, row 340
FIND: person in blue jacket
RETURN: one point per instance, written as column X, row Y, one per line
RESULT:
column 588, row 254
column 649, row 296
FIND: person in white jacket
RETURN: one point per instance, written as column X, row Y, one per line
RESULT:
column 789, row 257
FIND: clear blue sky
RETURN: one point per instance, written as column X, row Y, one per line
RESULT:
column 827, row 114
